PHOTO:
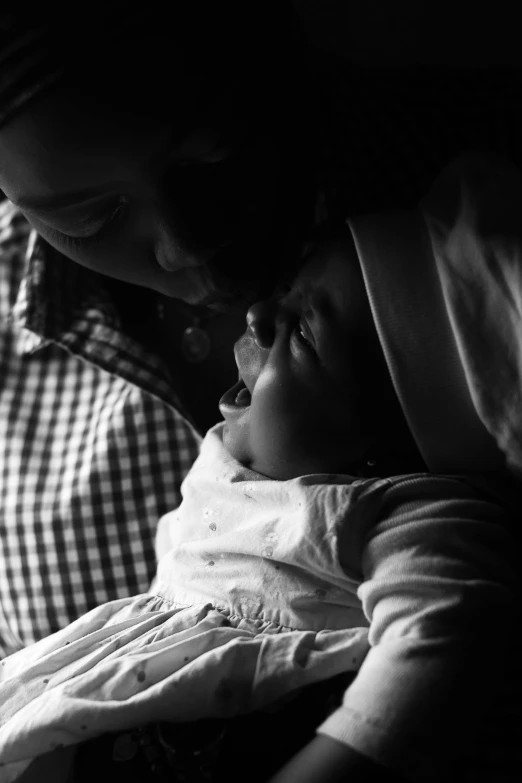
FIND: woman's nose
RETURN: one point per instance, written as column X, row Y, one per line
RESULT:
column 172, row 254
column 261, row 322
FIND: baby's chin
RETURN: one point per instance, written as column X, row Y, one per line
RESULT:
column 235, row 445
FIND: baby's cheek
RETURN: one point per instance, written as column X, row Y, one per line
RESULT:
column 263, row 440
column 275, row 447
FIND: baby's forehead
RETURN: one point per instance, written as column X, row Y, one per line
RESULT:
column 330, row 268
column 331, row 284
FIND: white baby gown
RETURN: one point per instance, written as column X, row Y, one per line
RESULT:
column 249, row 603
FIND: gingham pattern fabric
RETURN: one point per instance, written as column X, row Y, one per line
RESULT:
column 92, row 453
column 93, row 446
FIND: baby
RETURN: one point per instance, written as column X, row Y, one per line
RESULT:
column 351, row 514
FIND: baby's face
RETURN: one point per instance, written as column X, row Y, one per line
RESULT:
column 307, row 367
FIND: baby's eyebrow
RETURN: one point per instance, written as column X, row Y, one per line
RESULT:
column 317, row 298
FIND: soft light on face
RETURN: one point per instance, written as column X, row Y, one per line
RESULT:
column 124, row 196
column 310, row 362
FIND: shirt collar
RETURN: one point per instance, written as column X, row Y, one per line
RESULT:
column 59, row 301
column 54, row 293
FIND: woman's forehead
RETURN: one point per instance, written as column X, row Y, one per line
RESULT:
column 60, row 146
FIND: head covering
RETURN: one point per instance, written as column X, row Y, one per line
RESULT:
column 199, row 43
column 444, row 283
column 24, row 72
column 37, row 47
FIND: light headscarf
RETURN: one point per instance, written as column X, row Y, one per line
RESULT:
column 445, row 287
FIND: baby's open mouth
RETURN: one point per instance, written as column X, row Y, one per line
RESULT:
column 238, row 396
column 243, row 397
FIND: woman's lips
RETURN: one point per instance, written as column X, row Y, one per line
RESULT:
column 192, row 285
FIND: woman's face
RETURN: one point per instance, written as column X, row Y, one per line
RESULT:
column 312, row 368
column 123, row 195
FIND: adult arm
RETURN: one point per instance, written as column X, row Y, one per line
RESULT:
column 326, row 760
column 439, row 581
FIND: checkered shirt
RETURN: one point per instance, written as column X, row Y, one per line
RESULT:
column 93, row 447
column 93, row 441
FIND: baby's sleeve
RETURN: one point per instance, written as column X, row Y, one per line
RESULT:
column 440, row 592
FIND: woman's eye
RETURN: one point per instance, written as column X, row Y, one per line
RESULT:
column 107, row 224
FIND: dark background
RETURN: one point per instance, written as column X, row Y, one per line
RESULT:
column 404, row 32
column 394, row 33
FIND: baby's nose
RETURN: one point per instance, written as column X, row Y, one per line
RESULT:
column 260, row 321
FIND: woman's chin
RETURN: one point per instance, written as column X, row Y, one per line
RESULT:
column 192, row 286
